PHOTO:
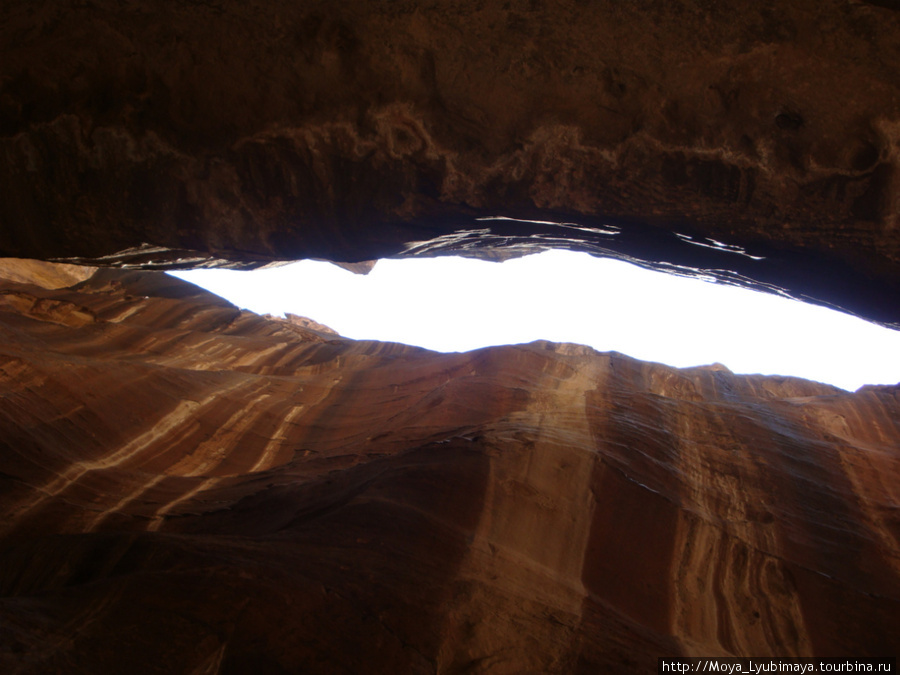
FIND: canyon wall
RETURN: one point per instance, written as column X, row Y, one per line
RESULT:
column 189, row 488
column 756, row 141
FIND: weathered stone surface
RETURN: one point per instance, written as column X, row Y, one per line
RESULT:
column 357, row 130
column 47, row 275
column 187, row 488
column 190, row 489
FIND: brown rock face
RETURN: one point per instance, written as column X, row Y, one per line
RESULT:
column 47, row 275
column 188, row 488
column 183, row 131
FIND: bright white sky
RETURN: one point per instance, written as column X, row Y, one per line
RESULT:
column 458, row 304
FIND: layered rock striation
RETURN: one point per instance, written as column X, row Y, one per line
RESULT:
column 189, row 488
column 756, row 141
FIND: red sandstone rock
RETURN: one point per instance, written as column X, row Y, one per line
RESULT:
column 183, row 131
column 47, row 275
column 304, row 322
column 188, row 488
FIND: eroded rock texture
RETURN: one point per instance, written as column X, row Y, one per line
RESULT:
column 191, row 489
column 188, row 488
column 360, row 129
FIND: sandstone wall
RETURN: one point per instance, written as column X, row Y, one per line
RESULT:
column 188, row 488
column 184, row 131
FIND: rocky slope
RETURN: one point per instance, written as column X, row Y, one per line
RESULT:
column 188, row 488
column 756, row 140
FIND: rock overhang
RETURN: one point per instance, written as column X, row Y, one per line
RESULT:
column 754, row 142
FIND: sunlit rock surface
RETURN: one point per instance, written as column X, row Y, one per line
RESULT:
column 48, row 275
column 188, row 488
column 181, row 132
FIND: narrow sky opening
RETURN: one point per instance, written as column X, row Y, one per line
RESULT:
column 458, row 304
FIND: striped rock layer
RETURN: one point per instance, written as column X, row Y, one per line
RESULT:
column 753, row 140
column 189, row 488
